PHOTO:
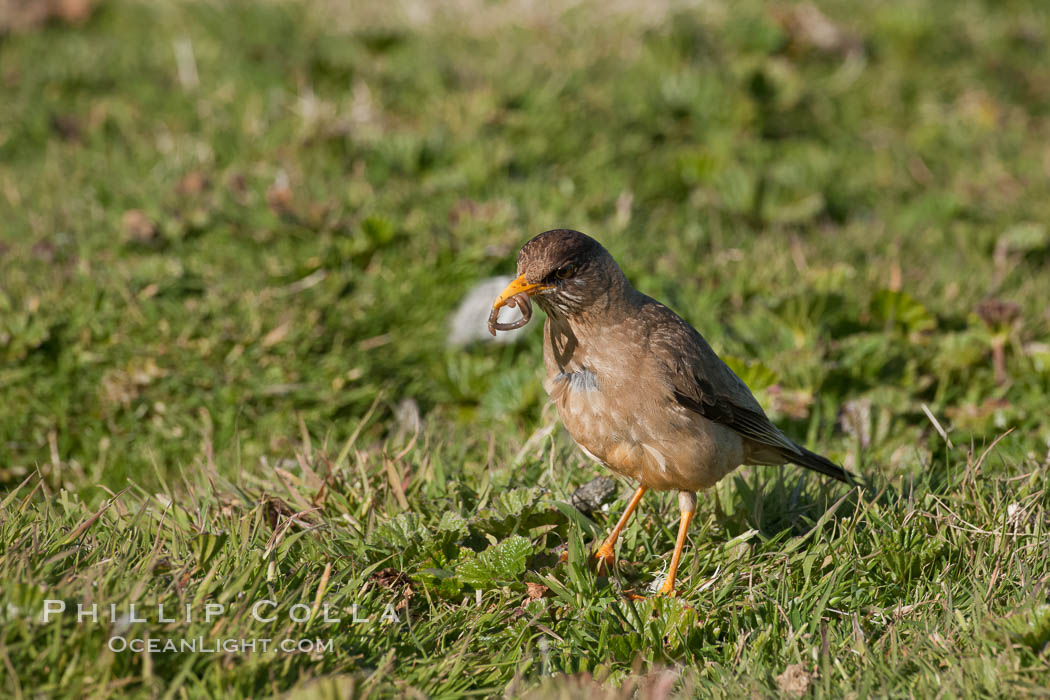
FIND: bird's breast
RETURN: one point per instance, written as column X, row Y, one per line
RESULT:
column 605, row 424
column 637, row 433
column 579, row 398
column 584, row 408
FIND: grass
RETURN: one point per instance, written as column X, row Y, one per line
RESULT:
column 224, row 378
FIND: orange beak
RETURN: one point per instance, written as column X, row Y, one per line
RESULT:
column 518, row 286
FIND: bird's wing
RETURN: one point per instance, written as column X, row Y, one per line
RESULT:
column 700, row 381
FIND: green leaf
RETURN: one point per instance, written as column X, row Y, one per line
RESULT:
column 452, row 522
column 379, row 230
column 404, row 532
column 754, row 373
column 1025, row 238
column 1029, row 627
column 499, row 563
column 896, row 309
column 515, row 510
column 206, row 545
column 959, row 351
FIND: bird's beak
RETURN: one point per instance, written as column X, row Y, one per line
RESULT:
column 516, row 287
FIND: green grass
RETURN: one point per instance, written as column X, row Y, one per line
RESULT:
column 222, row 303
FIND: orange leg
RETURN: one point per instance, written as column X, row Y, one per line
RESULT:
column 687, row 506
column 605, row 558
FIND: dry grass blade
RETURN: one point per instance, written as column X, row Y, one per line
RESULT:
column 350, row 441
column 14, row 492
column 87, row 523
column 937, row 426
column 395, row 483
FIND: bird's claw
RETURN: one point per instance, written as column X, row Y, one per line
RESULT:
column 604, row 561
column 667, row 592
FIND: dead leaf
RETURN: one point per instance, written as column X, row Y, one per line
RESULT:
column 795, row 681
column 794, row 403
column 274, row 508
column 193, row 182
column 396, row 581
column 279, row 195
column 45, row 250
column 138, row 227
column 391, row 578
column 998, row 312
column 67, row 127
column 74, row 10
column 809, row 28
column 276, row 335
column 237, row 185
column 28, row 14
column 855, row 418
column 535, row 591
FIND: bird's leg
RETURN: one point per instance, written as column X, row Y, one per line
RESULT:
column 605, row 557
column 687, row 506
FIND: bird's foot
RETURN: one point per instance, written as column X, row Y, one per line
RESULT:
column 666, row 587
column 604, row 560
column 668, row 591
column 631, row 595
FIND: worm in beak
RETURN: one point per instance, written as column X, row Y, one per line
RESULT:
column 522, row 303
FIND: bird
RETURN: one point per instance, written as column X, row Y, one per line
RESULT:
column 638, row 389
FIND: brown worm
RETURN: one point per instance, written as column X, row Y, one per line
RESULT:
column 519, row 301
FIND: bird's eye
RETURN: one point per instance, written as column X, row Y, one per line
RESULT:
column 565, row 272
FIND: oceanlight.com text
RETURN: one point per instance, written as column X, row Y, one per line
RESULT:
column 200, row 645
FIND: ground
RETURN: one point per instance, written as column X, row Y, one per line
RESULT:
column 234, row 234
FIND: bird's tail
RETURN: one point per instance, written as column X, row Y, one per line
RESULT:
column 819, row 463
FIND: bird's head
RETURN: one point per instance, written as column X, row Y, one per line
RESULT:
column 567, row 273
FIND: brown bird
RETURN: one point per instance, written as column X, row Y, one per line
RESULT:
column 638, row 388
